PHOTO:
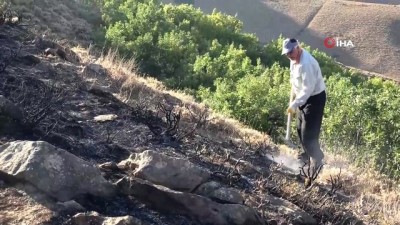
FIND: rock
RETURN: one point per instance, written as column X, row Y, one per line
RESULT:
column 105, row 118
column 95, row 70
column 50, row 51
column 273, row 222
column 42, row 43
column 9, row 109
column 56, row 52
column 207, row 188
column 29, row 60
column 39, row 196
column 215, row 191
column 94, row 218
column 227, row 195
column 70, row 206
column 108, row 166
column 174, row 173
column 195, row 206
column 11, row 117
column 100, row 92
column 122, row 220
column 55, row 171
column 287, row 209
column 47, row 68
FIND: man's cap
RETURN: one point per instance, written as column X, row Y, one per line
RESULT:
column 288, row 45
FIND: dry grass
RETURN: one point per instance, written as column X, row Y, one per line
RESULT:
column 135, row 88
column 376, row 198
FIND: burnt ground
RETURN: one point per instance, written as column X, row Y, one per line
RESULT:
column 59, row 109
column 59, row 105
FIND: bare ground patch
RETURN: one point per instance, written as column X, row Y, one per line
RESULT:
column 17, row 207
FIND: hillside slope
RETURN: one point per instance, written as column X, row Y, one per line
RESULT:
column 166, row 159
column 60, row 118
column 372, row 26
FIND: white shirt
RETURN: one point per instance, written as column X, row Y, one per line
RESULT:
column 306, row 79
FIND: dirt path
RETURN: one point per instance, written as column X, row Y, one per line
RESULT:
column 310, row 19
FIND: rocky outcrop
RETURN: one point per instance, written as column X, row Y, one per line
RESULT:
column 197, row 207
column 174, row 173
column 285, row 208
column 217, row 192
column 55, row 171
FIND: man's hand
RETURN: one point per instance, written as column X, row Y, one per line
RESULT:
column 291, row 110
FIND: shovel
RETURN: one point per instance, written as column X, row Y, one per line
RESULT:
column 288, row 142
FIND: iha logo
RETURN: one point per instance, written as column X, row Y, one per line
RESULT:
column 331, row 42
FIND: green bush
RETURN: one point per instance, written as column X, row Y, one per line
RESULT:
column 173, row 42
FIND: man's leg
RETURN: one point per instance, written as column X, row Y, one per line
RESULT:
column 303, row 156
column 312, row 115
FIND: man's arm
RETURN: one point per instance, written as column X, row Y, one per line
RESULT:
column 292, row 95
column 308, row 84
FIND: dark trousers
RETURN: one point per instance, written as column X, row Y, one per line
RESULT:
column 309, row 120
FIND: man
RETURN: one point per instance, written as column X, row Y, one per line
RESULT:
column 308, row 88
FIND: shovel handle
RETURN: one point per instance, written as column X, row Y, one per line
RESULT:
column 289, row 118
column 289, row 121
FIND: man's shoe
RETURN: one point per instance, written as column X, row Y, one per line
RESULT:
column 316, row 164
column 303, row 157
